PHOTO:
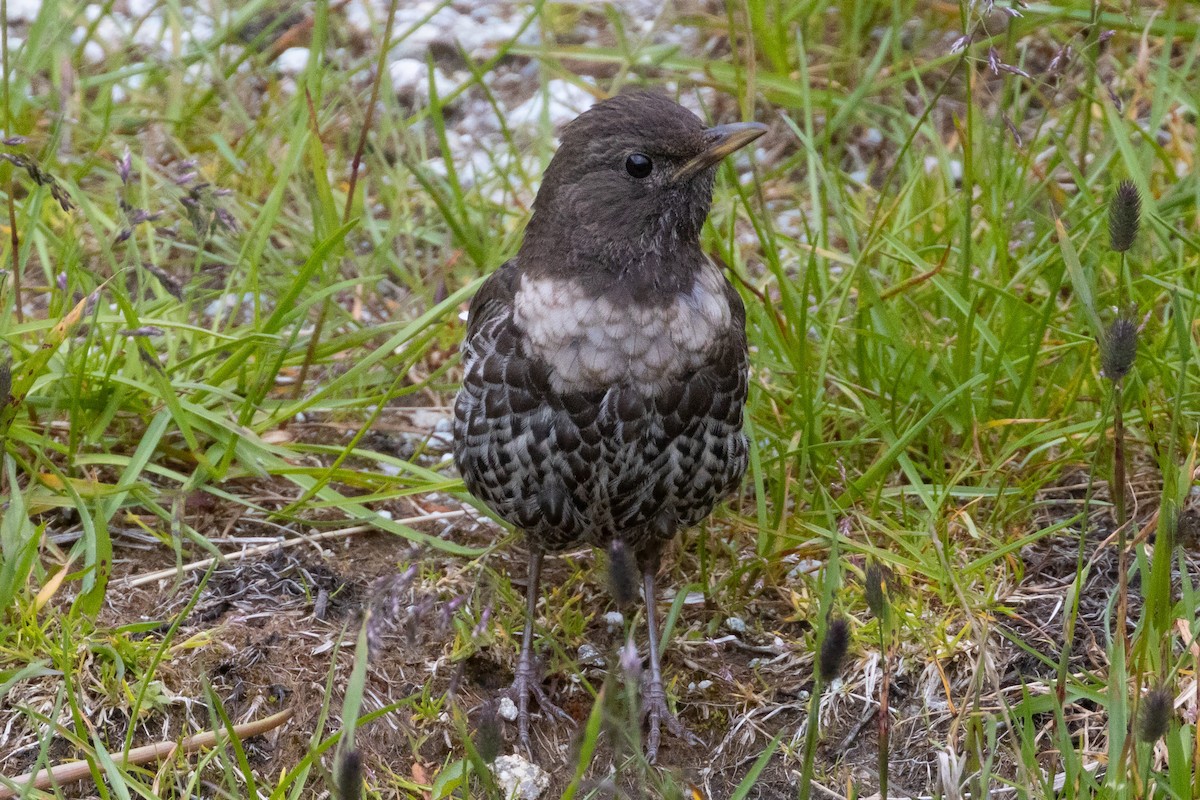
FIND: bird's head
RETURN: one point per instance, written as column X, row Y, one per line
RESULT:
column 629, row 189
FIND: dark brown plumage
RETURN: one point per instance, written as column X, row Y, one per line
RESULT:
column 605, row 366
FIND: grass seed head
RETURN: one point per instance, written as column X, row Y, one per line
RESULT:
column 1118, row 348
column 488, row 736
column 1154, row 719
column 1124, row 214
column 622, row 573
column 874, row 590
column 349, row 776
column 833, row 649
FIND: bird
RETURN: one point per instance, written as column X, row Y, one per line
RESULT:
column 605, row 366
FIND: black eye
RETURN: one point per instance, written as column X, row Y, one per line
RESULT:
column 638, row 165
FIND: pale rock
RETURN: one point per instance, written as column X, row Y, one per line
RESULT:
column 23, row 10
column 508, row 709
column 560, row 102
column 589, row 656
column 520, row 779
column 293, row 60
column 410, row 80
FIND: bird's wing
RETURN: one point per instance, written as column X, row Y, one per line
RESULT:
column 494, row 298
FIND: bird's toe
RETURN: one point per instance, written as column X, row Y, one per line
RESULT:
column 658, row 714
column 527, row 683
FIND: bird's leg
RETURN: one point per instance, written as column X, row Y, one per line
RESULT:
column 527, row 679
column 654, row 697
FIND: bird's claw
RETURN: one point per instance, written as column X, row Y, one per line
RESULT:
column 654, row 706
column 526, row 682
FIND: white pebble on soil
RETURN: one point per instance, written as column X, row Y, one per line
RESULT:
column 589, row 656
column 293, row 60
column 519, row 779
column 410, row 79
column 508, row 709
column 560, row 103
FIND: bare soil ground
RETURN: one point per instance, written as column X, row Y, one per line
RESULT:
column 278, row 631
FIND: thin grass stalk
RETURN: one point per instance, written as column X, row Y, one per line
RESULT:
column 885, row 722
column 1085, row 123
column 810, row 739
column 877, row 601
column 1119, row 501
column 1196, row 739
column 310, row 352
column 830, row 654
column 1071, row 613
column 14, row 237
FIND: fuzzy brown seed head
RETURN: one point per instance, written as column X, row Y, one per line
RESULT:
column 833, row 649
column 1118, row 348
column 1154, row 719
column 489, row 738
column 874, row 590
column 1187, row 529
column 622, row 573
column 1124, row 215
column 349, row 776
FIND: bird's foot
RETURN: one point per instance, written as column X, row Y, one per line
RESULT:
column 654, row 706
column 526, row 682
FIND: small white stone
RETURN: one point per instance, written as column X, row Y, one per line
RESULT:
column 615, row 620
column 519, row 779
column 226, row 302
column 109, row 31
column 559, row 103
column 93, row 52
column 23, row 10
column 589, row 656
column 149, row 33
column 508, row 709
column 736, row 624
column 293, row 60
column 703, row 685
column 410, row 78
